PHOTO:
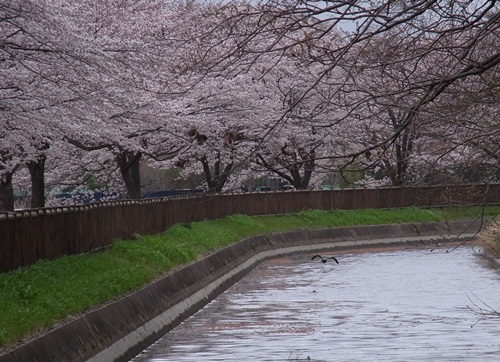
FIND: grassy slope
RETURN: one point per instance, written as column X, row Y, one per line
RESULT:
column 38, row 296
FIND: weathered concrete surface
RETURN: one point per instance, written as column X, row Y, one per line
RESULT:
column 119, row 330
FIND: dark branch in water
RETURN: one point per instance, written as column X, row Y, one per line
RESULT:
column 482, row 309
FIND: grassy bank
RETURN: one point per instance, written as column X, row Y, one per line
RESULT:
column 38, row 296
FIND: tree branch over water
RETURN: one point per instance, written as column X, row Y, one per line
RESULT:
column 481, row 308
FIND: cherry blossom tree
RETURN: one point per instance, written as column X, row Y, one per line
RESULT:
column 298, row 88
column 101, row 75
column 300, row 145
column 223, row 118
column 420, row 144
column 142, row 113
column 470, row 127
column 32, row 88
column 420, row 48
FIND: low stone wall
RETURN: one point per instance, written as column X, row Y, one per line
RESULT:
column 120, row 330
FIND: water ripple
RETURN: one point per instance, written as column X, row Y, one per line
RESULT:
column 388, row 306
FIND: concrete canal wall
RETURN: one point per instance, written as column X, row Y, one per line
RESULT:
column 121, row 329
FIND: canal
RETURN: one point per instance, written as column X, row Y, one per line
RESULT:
column 404, row 305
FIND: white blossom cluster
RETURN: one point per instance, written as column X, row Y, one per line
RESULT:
column 93, row 93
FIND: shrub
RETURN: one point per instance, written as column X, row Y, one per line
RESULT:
column 490, row 238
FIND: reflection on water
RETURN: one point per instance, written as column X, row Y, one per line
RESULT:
column 386, row 306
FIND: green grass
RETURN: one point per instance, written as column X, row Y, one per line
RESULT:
column 38, row 296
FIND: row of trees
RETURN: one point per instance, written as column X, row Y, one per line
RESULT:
column 90, row 90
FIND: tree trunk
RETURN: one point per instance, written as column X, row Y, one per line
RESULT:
column 217, row 179
column 129, row 167
column 299, row 171
column 6, row 192
column 37, row 173
column 402, row 144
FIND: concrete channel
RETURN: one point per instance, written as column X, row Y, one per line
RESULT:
column 123, row 328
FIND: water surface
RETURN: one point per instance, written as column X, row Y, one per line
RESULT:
column 413, row 305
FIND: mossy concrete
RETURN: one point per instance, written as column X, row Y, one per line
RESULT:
column 121, row 329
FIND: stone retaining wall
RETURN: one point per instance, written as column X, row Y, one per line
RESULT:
column 121, row 329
